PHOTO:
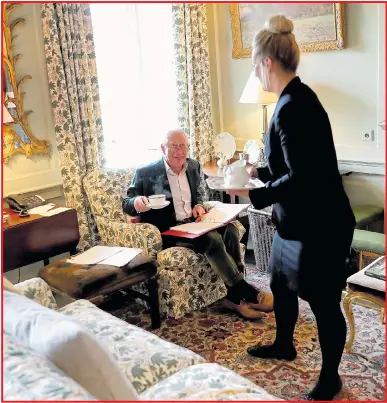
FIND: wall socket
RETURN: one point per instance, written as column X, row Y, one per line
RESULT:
column 368, row 136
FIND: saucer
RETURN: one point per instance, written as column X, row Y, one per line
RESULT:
column 167, row 203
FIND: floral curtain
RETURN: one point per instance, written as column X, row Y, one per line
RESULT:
column 72, row 76
column 193, row 78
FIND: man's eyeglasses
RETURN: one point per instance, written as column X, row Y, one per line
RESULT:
column 177, row 147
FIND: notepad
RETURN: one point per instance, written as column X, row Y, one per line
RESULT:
column 114, row 256
column 219, row 215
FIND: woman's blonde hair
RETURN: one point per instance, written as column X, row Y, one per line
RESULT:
column 276, row 40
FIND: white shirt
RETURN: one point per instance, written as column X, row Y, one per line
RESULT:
column 181, row 192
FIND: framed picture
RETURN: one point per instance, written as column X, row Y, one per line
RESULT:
column 317, row 26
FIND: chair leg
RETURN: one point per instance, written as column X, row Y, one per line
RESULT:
column 154, row 303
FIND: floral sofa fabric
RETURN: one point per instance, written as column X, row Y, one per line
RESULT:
column 144, row 358
column 159, row 370
column 186, row 281
column 29, row 376
column 206, row 382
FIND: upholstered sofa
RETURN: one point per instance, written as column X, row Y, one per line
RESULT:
column 157, row 369
column 186, row 281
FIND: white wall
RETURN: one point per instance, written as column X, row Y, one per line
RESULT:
column 38, row 172
column 350, row 83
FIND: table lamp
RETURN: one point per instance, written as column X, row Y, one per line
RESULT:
column 253, row 93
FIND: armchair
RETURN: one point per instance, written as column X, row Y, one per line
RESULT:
column 186, row 282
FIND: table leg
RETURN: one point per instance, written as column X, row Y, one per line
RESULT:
column 73, row 251
column 46, row 261
column 349, row 314
column 154, row 303
column 347, row 305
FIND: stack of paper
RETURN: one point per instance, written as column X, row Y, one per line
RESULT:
column 218, row 216
column 114, row 256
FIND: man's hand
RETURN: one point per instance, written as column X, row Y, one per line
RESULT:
column 141, row 204
column 251, row 170
column 240, row 193
column 198, row 212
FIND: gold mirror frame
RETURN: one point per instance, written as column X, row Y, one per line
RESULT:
column 238, row 51
column 14, row 132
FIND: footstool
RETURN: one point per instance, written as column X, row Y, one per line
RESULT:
column 362, row 286
column 65, row 279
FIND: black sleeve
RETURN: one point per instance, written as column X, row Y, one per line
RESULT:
column 291, row 130
column 264, row 174
column 135, row 189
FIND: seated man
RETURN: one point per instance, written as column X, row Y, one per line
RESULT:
column 181, row 180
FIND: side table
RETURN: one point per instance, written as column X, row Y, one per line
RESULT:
column 361, row 286
column 36, row 238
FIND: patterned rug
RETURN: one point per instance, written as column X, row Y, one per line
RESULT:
column 223, row 337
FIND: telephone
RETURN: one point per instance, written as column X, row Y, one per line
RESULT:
column 20, row 202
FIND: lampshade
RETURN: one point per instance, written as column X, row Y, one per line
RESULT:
column 7, row 118
column 254, row 93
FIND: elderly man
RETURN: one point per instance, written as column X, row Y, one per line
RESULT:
column 181, row 180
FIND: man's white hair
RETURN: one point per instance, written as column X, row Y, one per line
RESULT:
column 169, row 134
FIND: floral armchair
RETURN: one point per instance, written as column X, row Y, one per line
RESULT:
column 186, row 282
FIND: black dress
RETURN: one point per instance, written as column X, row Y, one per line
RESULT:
column 311, row 210
column 314, row 223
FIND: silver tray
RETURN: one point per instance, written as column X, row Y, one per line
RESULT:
column 217, row 183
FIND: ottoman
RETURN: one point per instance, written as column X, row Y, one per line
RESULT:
column 96, row 282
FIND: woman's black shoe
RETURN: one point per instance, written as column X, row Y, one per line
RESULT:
column 273, row 351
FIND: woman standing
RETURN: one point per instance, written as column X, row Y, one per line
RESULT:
column 311, row 211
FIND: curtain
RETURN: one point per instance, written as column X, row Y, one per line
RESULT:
column 73, row 84
column 193, row 78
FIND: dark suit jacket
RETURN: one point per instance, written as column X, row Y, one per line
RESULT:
column 302, row 177
column 152, row 179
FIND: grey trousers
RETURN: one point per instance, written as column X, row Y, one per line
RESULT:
column 221, row 248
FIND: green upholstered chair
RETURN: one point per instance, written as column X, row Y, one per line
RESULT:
column 368, row 243
column 366, row 215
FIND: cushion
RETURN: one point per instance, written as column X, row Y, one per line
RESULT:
column 369, row 241
column 206, row 382
column 144, row 358
column 75, row 279
column 366, row 214
column 8, row 286
column 31, row 376
column 38, row 290
column 69, row 345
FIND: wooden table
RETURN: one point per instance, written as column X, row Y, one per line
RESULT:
column 35, row 238
column 362, row 287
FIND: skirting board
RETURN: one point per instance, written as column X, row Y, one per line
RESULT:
column 364, row 167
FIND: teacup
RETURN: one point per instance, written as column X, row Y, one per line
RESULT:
column 156, row 200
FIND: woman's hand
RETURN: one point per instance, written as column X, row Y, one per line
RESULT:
column 240, row 193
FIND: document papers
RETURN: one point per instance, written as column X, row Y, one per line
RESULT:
column 219, row 215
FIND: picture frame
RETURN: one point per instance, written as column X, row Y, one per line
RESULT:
column 317, row 26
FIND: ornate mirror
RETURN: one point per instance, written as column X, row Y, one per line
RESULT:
column 17, row 136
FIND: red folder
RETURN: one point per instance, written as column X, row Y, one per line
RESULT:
column 180, row 234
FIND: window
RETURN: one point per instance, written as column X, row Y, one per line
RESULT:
column 136, row 74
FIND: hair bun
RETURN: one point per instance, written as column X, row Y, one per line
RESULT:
column 279, row 24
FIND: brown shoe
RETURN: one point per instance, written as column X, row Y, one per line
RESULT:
column 243, row 309
column 265, row 302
